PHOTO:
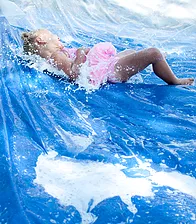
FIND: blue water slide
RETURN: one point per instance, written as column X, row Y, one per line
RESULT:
column 124, row 153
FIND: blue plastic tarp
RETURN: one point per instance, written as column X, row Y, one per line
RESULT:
column 148, row 130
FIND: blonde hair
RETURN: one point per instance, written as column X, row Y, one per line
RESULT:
column 29, row 45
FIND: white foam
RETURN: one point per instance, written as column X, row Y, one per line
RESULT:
column 182, row 183
column 76, row 183
column 83, row 79
column 40, row 64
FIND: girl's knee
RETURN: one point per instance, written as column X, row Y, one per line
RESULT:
column 155, row 54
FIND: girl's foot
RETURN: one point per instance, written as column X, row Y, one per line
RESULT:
column 184, row 81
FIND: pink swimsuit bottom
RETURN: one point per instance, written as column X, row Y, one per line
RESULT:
column 101, row 59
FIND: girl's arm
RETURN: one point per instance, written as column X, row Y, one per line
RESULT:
column 79, row 60
column 71, row 68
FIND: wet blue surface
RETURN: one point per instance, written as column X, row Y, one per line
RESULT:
column 157, row 121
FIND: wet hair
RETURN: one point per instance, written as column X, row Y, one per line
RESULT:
column 29, row 45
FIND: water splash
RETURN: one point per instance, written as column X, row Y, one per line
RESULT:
column 78, row 183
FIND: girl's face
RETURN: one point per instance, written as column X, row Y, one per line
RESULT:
column 46, row 37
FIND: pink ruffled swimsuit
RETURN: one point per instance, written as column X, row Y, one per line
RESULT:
column 101, row 59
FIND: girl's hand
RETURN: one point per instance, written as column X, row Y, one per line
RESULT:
column 83, row 51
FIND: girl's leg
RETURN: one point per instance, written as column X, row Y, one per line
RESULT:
column 133, row 63
column 126, row 52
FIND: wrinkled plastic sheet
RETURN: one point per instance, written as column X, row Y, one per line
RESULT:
column 127, row 124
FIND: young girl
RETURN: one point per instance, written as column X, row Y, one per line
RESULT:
column 104, row 63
